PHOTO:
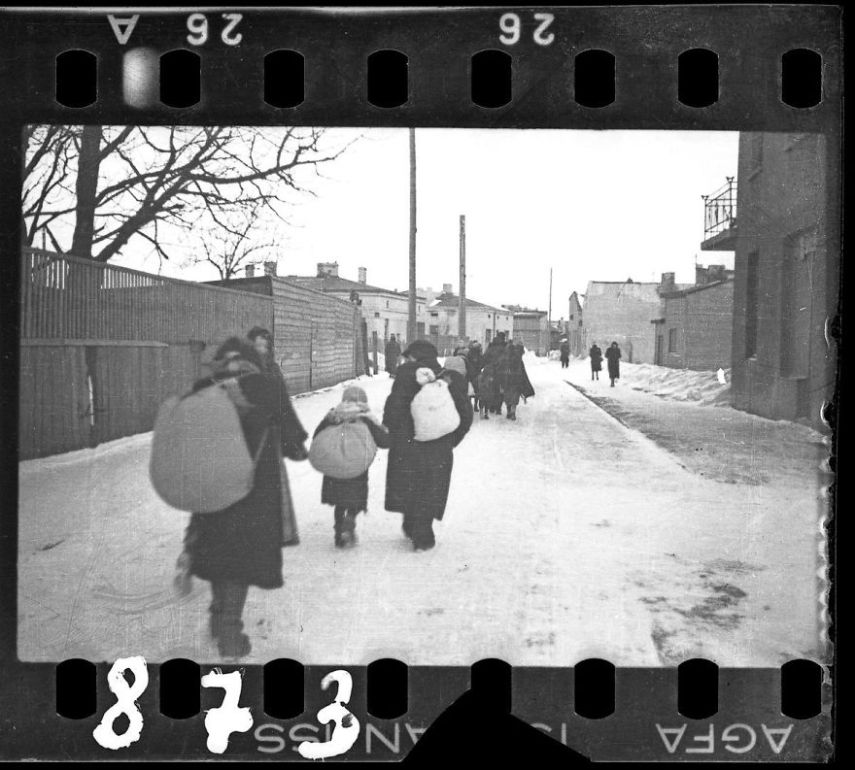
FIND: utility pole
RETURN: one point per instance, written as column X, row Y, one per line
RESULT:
column 411, row 319
column 461, row 312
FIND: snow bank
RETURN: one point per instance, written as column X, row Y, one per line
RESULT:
column 678, row 384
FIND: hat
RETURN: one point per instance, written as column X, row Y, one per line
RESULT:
column 354, row 393
column 456, row 364
column 421, row 350
column 259, row 331
column 236, row 349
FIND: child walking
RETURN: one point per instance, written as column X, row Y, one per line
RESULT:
column 349, row 496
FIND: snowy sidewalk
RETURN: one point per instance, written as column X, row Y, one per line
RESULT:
column 567, row 536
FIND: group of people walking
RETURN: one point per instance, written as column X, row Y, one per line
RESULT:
column 613, row 355
column 496, row 376
column 241, row 545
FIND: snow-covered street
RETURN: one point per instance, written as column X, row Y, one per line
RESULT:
column 569, row 534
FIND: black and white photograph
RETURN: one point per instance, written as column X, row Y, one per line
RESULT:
column 431, row 394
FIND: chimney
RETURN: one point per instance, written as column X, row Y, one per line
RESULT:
column 250, row 271
column 328, row 268
column 446, row 288
column 270, row 268
column 363, row 275
column 703, row 275
column 667, row 283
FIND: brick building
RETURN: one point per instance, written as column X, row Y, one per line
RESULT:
column 695, row 327
column 785, row 235
column 621, row 311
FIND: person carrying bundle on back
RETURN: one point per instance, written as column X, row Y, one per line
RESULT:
column 216, row 454
column 343, row 448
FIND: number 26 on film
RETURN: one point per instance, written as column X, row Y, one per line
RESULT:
column 511, row 26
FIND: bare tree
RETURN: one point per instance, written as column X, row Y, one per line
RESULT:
column 108, row 184
column 230, row 249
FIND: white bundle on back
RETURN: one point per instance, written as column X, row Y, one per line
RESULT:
column 200, row 461
column 434, row 412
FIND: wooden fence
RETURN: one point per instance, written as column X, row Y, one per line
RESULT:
column 102, row 346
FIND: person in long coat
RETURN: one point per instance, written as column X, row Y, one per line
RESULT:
column 292, row 435
column 596, row 356
column 241, row 545
column 418, row 476
column 513, row 378
column 613, row 358
column 349, row 497
column 393, row 355
column 565, row 354
column 492, row 356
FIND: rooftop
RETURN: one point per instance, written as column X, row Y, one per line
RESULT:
column 452, row 301
column 335, row 283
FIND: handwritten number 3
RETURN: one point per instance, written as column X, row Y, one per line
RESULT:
column 511, row 26
column 346, row 729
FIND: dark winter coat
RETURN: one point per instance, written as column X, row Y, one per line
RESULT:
column 565, row 351
column 351, row 494
column 613, row 357
column 393, row 355
column 596, row 356
column 474, row 365
column 418, row 475
column 243, row 543
column 494, row 352
column 512, row 377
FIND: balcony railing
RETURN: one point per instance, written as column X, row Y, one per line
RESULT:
column 720, row 209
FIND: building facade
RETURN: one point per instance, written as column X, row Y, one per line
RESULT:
column 786, row 239
column 385, row 311
column 695, row 327
column 483, row 321
column 621, row 311
column 531, row 327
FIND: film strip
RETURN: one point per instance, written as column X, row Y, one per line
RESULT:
column 617, row 68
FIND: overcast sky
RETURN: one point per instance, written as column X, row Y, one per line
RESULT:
column 593, row 205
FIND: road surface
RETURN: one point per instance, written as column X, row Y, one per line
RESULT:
column 567, row 536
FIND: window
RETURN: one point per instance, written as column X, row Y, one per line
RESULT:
column 751, row 308
column 672, row 340
column 434, row 330
column 571, row 316
column 377, row 315
column 580, row 324
column 387, row 303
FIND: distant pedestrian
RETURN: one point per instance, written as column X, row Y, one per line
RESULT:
column 393, row 355
column 596, row 356
column 513, row 379
column 565, row 354
column 349, row 496
column 241, row 545
column 292, row 437
column 418, row 475
column 613, row 357
column 474, row 365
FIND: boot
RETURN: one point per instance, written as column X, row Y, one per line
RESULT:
column 512, row 413
column 345, row 536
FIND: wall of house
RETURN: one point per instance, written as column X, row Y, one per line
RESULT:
column 622, row 313
column 783, row 192
column 703, row 324
column 534, row 333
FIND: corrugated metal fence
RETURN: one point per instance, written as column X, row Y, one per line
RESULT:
column 102, row 346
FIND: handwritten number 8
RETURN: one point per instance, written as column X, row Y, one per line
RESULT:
column 511, row 26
